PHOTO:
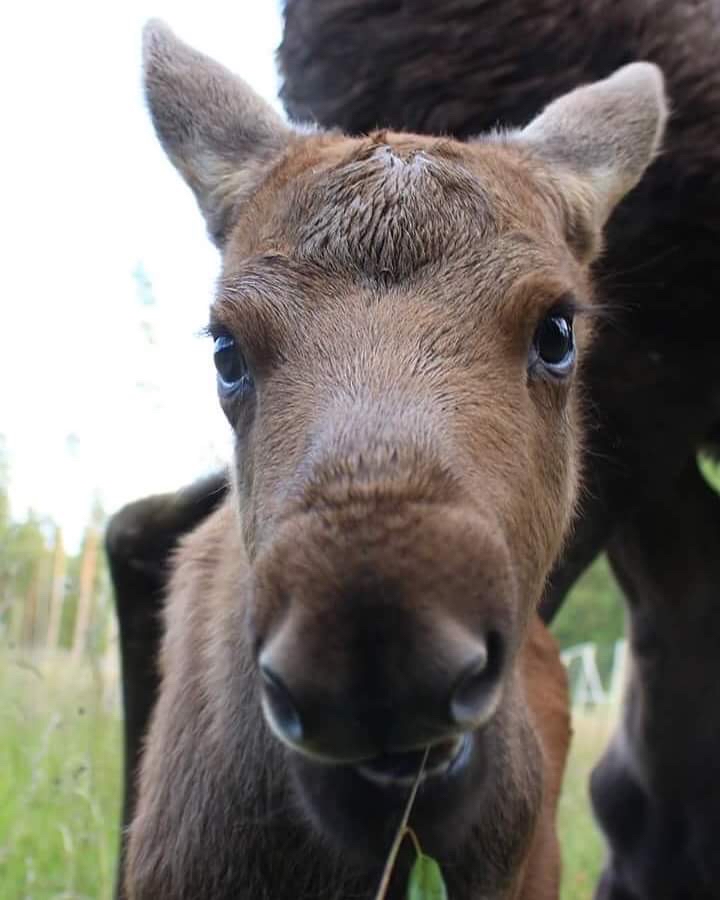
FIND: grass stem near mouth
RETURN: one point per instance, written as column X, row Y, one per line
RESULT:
column 401, row 832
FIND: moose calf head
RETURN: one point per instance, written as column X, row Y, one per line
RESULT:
column 398, row 330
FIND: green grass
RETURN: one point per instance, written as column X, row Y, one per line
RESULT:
column 582, row 845
column 60, row 757
column 59, row 789
column 710, row 467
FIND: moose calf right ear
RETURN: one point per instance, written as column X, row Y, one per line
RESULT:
column 604, row 135
column 217, row 131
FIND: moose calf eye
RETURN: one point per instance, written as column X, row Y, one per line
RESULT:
column 553, row 344
column 232, row 370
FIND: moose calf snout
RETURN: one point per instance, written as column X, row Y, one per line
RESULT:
column 382, row 639
column 308, row 719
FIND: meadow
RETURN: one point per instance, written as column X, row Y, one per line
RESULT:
column 60, row 758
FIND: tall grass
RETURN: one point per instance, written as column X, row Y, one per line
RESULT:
column 581, row 842
column 60, row 765
column 60, row 743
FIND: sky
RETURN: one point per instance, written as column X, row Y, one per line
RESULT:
column 101, row 395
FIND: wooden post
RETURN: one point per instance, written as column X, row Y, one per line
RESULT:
column 57, row 592
column 88, row 566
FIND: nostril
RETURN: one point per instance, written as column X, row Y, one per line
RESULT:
column 283, row 714
column 476, row 691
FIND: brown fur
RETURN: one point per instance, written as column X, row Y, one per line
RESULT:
column 402, row 485
column 214, row 823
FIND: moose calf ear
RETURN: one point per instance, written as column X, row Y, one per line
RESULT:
column 605, row 133
column 217, row 131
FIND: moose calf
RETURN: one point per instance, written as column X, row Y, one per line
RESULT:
column 398, row 330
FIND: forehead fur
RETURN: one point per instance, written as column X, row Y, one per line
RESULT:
column 391, row 210
column 389, row 205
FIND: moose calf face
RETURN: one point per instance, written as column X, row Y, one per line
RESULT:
column 398, row 330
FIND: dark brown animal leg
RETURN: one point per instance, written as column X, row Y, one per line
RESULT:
column 656, row 792
column 139, row 543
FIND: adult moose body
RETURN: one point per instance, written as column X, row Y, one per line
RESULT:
column 398, row 329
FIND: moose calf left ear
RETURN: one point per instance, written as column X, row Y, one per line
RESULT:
column 219, row 134
column 605, row 134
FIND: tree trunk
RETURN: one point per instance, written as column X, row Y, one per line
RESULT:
column 87, row 581
column 57, row 593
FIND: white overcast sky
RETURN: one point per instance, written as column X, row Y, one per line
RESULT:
column 87, row 197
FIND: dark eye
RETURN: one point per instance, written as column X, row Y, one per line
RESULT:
column 553, row 344
column 232, row 370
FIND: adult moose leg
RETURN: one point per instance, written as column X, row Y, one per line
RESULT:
column 140, row 541
column 656, row 791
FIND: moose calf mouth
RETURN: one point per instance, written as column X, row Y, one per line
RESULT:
column 399, row 770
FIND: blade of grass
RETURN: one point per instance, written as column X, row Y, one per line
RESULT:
column 400, row 833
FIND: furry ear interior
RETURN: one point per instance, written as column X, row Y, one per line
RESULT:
column 219, row 134
column 606, row 134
